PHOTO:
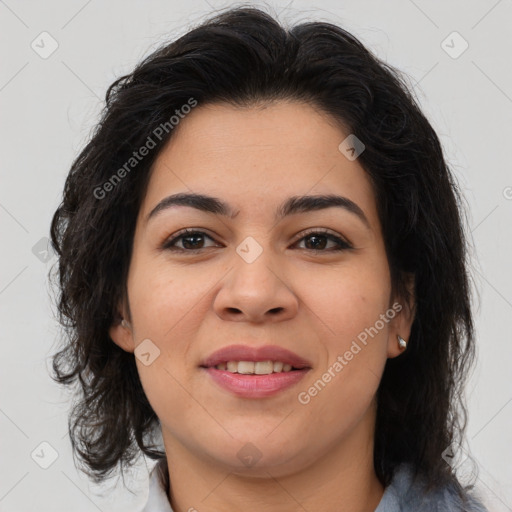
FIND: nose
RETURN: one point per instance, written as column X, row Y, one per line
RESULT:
column 257, row 292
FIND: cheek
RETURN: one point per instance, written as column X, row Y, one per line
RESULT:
column 167, row 311
column 165, row 301
column 345, row 300
column 348, row 304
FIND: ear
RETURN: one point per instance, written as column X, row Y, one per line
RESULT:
column 121, row 330
column 401, row 324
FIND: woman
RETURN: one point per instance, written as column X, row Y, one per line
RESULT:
column 262, row 258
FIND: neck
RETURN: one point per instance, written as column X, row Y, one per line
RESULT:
column 343, row 475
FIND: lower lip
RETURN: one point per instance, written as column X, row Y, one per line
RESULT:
column 256, row 386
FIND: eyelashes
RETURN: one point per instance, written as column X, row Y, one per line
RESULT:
column 194, row 234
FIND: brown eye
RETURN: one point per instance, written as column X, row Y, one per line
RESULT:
column 318, row 240
column 191, row 241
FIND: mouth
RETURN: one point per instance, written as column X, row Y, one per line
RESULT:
column 255, row 372
column 256, row 367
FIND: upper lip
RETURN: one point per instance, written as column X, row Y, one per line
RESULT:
column 246, row 353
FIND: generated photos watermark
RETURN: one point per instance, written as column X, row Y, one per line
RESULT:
column 304, row 397
column 158, row 133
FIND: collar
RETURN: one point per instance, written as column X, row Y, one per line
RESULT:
column 404, row 493
column 157, row 498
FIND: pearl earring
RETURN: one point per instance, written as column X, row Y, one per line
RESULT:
column 401, row 342
column 124, row 324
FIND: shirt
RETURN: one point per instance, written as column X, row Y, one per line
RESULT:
column 402, row 495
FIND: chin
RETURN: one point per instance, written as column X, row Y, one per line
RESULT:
column 258, row 456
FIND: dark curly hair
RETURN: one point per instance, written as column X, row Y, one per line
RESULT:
column 241, row 57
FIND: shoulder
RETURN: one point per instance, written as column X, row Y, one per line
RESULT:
column 406, row 494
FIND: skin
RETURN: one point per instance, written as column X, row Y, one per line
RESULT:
column 314, row 456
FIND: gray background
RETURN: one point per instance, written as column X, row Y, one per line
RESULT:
column 48, row 107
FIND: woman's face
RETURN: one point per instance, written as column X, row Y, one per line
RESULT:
column 255, row 279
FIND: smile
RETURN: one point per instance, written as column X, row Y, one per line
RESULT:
column 255, row 367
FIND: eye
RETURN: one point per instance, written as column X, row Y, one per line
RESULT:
column 193, row 241
column 319, row 238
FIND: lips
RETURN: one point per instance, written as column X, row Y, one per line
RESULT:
column 245, row 353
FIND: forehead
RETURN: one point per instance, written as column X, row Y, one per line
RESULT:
column 256, row 157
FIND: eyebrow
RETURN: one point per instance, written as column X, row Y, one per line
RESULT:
column 291, row 206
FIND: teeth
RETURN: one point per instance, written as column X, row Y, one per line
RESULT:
column 262, row 367
column 255, row 368
column 278, row 366
column 246, row 367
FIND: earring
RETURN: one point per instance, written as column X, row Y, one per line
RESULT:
column 401, row 342
column 124, row 324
